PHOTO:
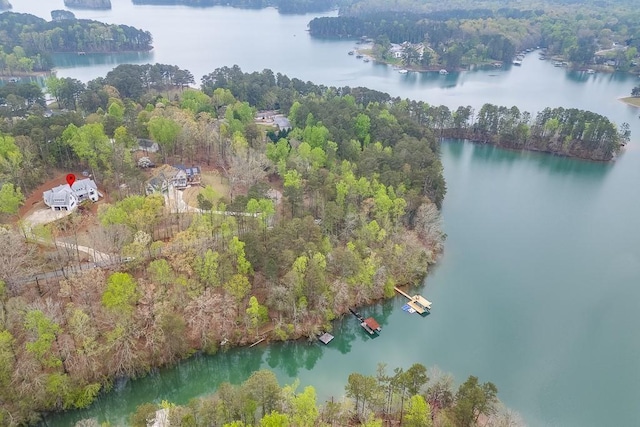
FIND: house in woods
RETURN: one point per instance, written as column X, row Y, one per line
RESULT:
column 193, row 174
column 282, row 122
column 66, row 198
column 147, row 145
column 164, row 177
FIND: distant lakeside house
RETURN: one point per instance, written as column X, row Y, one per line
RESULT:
column 66, row 198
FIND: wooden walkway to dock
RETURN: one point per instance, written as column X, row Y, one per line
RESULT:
column 417, row 302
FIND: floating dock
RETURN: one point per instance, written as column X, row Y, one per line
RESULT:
column 417, row 302
column 325, row 338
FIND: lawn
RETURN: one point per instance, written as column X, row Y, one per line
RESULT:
column 215, row 180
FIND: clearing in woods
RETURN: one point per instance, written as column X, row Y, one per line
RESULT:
column 219, row 183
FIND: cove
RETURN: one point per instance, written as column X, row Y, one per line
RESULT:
column 537, row 288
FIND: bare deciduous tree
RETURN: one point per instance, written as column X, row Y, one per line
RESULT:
column 110, row 239
column 247, row 170
column 428, row 225
column 16, row 258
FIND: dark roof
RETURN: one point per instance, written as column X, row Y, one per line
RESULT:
column 193, row 170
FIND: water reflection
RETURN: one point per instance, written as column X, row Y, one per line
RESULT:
column 555, row 165
column 73, row 60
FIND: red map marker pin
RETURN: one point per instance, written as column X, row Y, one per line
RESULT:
column 71, row 178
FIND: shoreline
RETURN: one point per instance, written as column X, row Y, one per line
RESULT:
column 366, row 52
column 53, row 70
column 628, row 100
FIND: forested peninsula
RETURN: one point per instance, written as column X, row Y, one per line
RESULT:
column 283, row 6
column 561, row 131
column 27, row 41
column 340, row 208
column 88, row 4
column 303, row 200
column 453, row 35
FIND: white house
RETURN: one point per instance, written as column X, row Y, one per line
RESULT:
column 65, row 198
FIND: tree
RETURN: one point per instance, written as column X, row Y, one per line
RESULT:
column 275, row 419
column 91, row 145
column 144, row 414
column 635, row 92
column 418, row 413
column 11, row 198
column 121, row 294
column 7, row 359
column 262, row 386
column 362, row 127
column 361, row 388
column 293, row 188
column 206, row 266
column 238, row 287
column 258, row 314
column 161, row 271
column 16, row 263
column 165, row 131
column 304, row 408
column 44, row 331
column 474, row 399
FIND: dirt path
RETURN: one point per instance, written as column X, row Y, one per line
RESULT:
column 43, row 216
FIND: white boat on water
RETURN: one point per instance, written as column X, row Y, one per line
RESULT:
column 443, row 72
column 403, row 71
column 590, row 71
column 517, row 62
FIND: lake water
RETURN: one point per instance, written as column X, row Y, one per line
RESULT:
column 538, row 288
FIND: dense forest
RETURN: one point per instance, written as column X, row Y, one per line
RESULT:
column 567, row 132
column 26, row 40
column 283, row 6
column 359, row 184
column 60, row 15
column 413, row 397
column 456, row 35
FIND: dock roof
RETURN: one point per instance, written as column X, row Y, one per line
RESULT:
column 371, row 322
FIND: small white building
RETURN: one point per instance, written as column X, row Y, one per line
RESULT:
column 65, row 198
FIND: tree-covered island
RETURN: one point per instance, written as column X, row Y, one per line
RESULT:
column 27, row 41
column 283, row 6
column 88, row 4
column 302, row 201
column 452, row 35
